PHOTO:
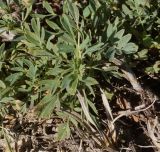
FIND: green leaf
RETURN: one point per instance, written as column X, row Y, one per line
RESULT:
column 2, row 84
column 63, row 132
column 73, row 9
column 32, row 72
column 86, row 12
column 90, row 81
column 73, row 87
column 110, row 53
column 5, row 91
column 49, row 44
column 50, row 85
column 127, row 11
column 53, row 25
column 47, row 105
column 2, row 53
column 54, row 71
column 130, row 48
column 67, row 38
column 123, row 41
column 66, row 23
column 73, row 120
column 109, row 30
column 18, row 69
column 33, row 38
column 143, row 54
column 29, row 9
column 36, row 26
column 65, row 48
column 47, row 6
column 3, row 5
column 14, row 77
column 92, row 106
column 156, row 67
column 66, row 81
column 85, row 42
column 93, row 48
column 41, row 16
column 119, row 34
column 42, row 35
column 2, row 47
column 147, row 40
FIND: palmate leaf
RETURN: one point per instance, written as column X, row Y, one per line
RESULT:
column 63, row 131
column 123, row 41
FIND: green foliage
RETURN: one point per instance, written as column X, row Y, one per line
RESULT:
column 52, row 57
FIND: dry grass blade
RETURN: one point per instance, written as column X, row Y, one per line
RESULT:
column 129, row 112
column 129, row 75
column 106, row 105
column 109, row 114
column 85, row 109
column 86, row 125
